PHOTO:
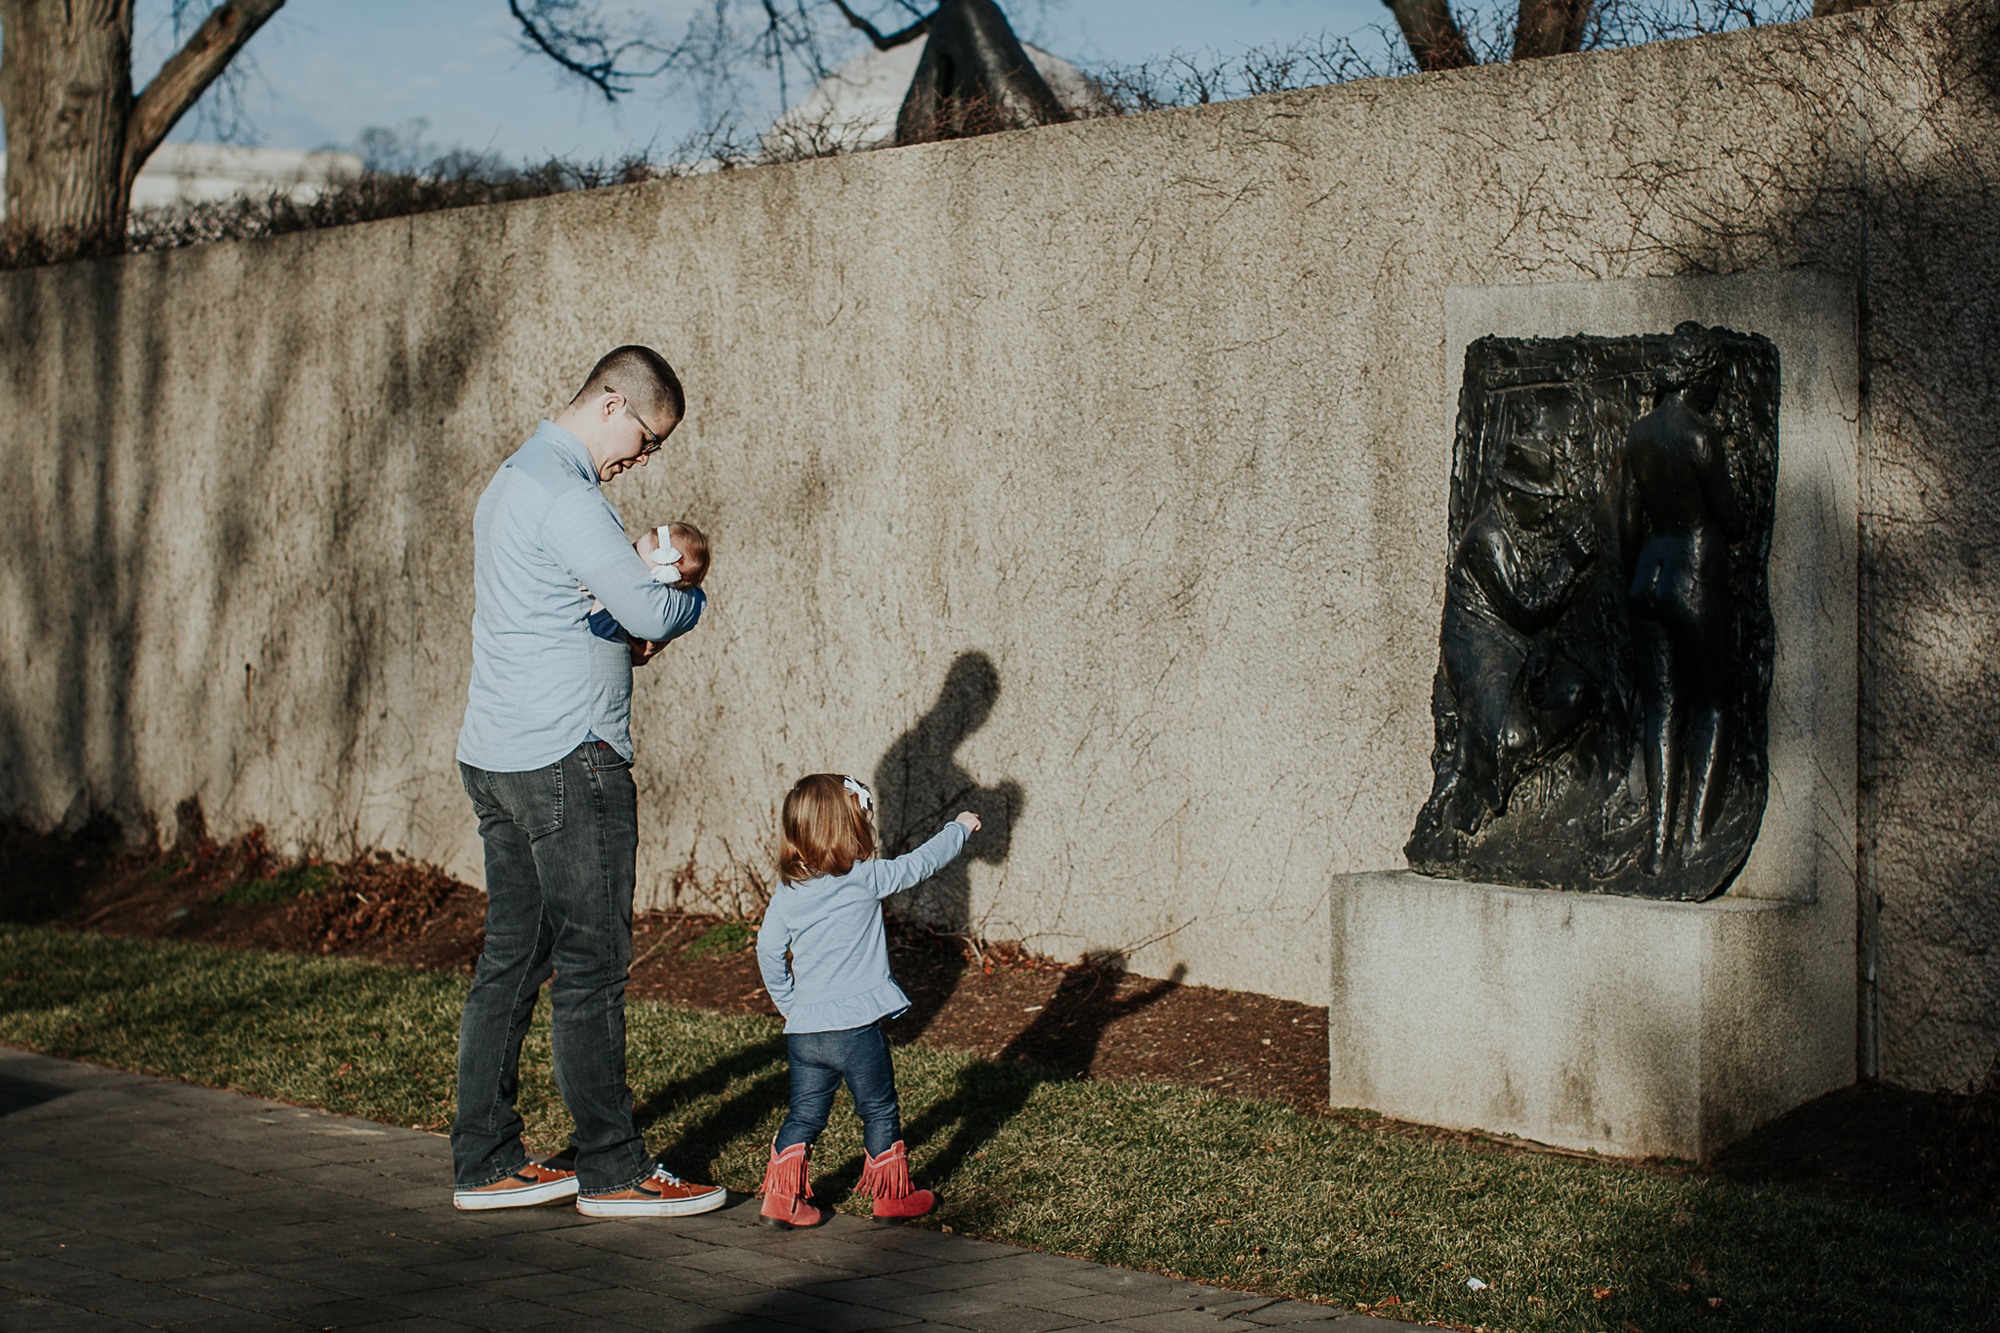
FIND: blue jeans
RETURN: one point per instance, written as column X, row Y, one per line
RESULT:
column 560, row 846
column 820, row 1061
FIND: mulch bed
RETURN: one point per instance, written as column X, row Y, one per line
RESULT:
column 1935, row 1152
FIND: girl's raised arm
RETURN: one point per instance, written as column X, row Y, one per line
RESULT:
column 913, row 868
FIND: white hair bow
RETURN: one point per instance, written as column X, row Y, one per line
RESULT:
column 662, row 559
column 861, row 793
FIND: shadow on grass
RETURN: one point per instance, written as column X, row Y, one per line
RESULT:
column 1060, row 1045
column 703, row 1140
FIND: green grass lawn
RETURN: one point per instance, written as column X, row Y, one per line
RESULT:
column 1217, row 1189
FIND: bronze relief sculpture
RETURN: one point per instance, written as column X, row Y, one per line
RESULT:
column 1604, row 660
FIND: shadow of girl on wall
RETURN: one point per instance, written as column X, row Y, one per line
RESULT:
column 921, row 785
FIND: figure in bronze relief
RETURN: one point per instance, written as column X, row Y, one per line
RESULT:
column 1681, row 512
column 1604, row 653
column 1513, row 573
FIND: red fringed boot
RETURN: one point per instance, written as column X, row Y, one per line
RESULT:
column 786, row 1190
column 887, row 1179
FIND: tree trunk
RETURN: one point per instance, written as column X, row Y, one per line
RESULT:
column 973, row 78
column 66, row 91
column 1432, row 33
column 76, row 137
column 183, row 79
column 1549, row 27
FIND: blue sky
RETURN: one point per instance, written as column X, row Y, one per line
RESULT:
column 322, row 71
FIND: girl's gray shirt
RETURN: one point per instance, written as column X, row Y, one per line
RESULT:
column 839, row 976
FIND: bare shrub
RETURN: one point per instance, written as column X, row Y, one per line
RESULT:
column 739, row 891
column 403, row 177
column 457, row 181
column 797, row 140
column 374, row 896
column 1184, row 78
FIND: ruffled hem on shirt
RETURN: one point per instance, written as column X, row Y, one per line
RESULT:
column 849, row 1011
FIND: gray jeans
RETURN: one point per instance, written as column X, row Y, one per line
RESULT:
column 560, row 845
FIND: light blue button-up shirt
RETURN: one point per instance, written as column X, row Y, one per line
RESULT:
column 840, row 976
column 542, row 683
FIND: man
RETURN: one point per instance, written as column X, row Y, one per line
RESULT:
column 1520, row 563
column 546, row 756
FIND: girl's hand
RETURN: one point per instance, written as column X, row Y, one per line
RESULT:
column 970, row 820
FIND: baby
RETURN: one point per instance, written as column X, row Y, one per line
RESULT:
column 677, row 553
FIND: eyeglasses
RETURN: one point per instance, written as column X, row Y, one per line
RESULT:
column 649, row 443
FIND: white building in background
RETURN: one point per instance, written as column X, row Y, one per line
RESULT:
column 855, row 107
column 190, row 173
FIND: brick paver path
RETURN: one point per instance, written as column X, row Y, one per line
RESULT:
column 134, row 1202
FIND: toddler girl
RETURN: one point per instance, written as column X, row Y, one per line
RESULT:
column 828, row 911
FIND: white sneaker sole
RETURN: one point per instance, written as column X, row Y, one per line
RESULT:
column 700, row 1203
column 521, row 1196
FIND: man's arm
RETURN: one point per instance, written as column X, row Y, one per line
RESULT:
column 1522, row 600
column 583, row 535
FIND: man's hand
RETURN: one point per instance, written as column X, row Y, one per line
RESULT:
column 970, row 820
column 644, row 650
column 1579, row 542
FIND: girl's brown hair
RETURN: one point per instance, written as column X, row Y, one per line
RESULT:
column 823, row 829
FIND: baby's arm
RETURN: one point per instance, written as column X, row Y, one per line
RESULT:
column 913, row 868
column 773, row 938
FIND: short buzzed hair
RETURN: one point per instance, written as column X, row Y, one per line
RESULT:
column 641, row 376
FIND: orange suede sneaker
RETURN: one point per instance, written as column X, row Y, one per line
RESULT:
column 532, row 1184
column 663, row 1194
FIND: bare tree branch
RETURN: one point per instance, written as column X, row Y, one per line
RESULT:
column 568, row 34
column 182, row 80
column 894, row 39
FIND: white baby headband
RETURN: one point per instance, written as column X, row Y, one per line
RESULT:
column 861, row 793
column 662, row 560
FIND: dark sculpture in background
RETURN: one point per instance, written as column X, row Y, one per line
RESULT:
column 1604, row 661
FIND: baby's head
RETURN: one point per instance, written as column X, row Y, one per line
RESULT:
column 825, row 827
column 681, row 547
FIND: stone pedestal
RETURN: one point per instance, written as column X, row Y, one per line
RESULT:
column 1621, row 1024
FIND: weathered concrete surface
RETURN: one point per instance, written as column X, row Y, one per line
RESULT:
column 1134, row 421
column 1624, row 1025
column 1931, row 545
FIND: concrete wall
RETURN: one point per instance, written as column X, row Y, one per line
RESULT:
column 1099, row 469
